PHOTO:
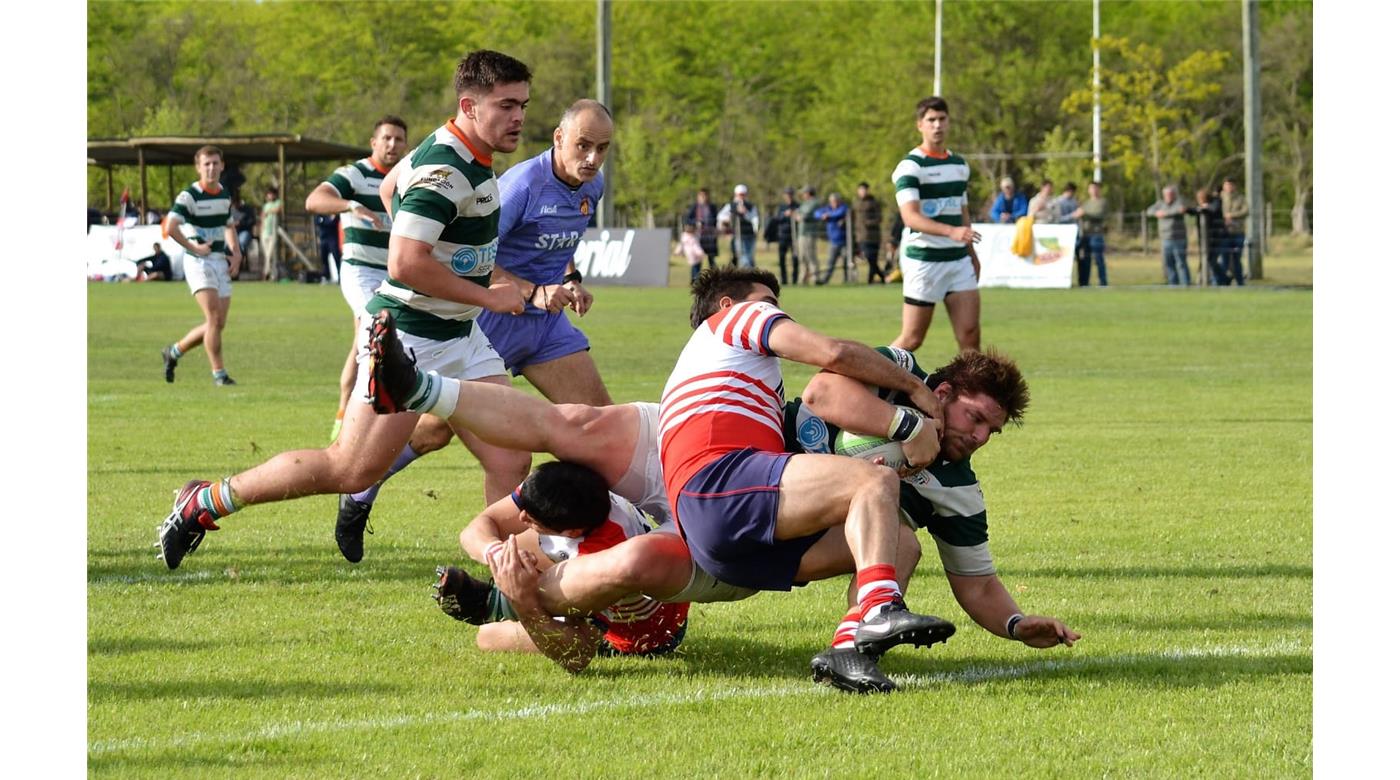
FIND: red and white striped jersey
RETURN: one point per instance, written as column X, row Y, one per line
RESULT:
column 725, row 393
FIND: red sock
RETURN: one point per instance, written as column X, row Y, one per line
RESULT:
column 875, row 587
column 846, row 629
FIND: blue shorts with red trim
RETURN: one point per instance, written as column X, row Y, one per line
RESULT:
column 527, row 339
column 728, row 512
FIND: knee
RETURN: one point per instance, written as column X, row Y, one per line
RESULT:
column 504, row 463
column 911, row 341
column 431, row 435
column 354, row 472
column 880, row 483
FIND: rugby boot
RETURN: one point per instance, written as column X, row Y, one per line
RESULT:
column 393, row 374
column 184, row 528
column 170, row 362
column 461, row 596
column 896, row 625
column 351, row 523
column 848, row 669
column 224, row 380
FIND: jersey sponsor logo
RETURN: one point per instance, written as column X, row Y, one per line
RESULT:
column 473, row 259
column 558, row 240
column 932, row 207
column 440, row 179
column 584, row 208
column 483, row 200
column 606, row 257
column 812, row 435
column 549, row 208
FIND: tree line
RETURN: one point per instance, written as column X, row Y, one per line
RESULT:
column 715, row 93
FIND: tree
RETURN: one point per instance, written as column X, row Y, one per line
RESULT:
column 1286, row 91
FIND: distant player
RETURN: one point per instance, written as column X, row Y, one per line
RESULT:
column 936, row 257
column 212, row 260
column 561, row 511
column 546, row 204
column 442, row 251
column 352, row 191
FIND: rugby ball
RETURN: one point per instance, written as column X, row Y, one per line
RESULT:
column 870, row 447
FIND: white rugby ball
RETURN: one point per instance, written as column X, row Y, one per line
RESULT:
column 870, row 447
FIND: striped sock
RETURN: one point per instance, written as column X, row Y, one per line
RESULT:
column 499, row 607
column 846, row 629
column 175, row 350
column 875, row 587
column 220, row 374
column 218, row 499
column 406, row 456
column 426, row 389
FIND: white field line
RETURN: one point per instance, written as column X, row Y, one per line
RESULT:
column 969, row 675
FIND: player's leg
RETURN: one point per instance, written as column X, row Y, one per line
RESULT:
column 831, row 557
column 657, row 564
column 914, row 322
column 921, row 292
column 965, row 315
column 507, row 636
column 572, row 379
column 505, row 468
column 214, row 338
column 347, row 384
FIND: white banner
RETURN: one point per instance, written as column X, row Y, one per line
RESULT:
column 1051, row 264
column 624, row 256
column 105, row 260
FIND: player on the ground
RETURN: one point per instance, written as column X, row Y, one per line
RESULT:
column 352, row 191
column 441, row 255
column 561, row 511
column 936, row 256
column 212, row 259
column 546, row 203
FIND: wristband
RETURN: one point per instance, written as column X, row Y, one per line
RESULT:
column 492, row 549
column 1011, row 624
column 905, row 425
column 573, row 276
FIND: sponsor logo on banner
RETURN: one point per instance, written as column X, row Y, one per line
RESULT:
column 606, row 257
column 619, row 256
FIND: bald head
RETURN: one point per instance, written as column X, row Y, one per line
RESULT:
column 581, row 141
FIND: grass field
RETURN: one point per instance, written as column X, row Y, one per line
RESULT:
column 1158, row 499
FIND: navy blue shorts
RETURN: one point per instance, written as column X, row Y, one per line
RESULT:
column 526, row 339
column 728, row 512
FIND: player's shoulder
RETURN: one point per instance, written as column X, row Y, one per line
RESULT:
column 903, row 358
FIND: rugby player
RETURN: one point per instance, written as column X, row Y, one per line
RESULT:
column 211, row 261
column 442, row 251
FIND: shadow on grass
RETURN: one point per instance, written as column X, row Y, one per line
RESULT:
column 300, row 564
column 185, row 763
column 1254, row 624
column 1145, row 572
column 133, row 645
column 231, row 689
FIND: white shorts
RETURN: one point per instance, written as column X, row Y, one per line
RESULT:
column 929, row 282
column 643, row 484
column 358, row 283
column 201, row 273
column 703, row 588
column 468, row 357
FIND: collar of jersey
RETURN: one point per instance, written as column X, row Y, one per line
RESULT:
column 934, row 155
column 480, row 159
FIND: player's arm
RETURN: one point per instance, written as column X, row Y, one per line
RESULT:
column 235, row 253
column 914, row 218
column 411, row 262
column 196, row 248
column 492, row 527
column 971, row 249
column 792, row 341
column 387, row 186
column 850, row 406
column 573, row 283
column 985, row 599
column 570, row 642
column 326, row 199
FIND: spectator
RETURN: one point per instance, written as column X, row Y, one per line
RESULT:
column 834, row 215
column 94, row 217
column 246, row 219
column 328, row 242
column 1093, row 218
column 271, row 213
column 689, row 247
column 155, row 268
column 1039, row 207
column 779, row 231
column 1009, row 205
column 1210, row 228
column 896, row 237
column 1064, row 207
column 867, row 224
column 702, row 215
column 1171, row 226
column 808, row 227
column 1234, row 209
column 745, row 214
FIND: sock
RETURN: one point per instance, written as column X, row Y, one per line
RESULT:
column 339, row 422
column 220, row 374
column 218, row 498
column 499, row 607
column 406, row 456
column 175, row 351
column 846, row 629
column 433, row 395
column 875, row 587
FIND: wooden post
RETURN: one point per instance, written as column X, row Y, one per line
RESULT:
column 141, row 164
column 109, row 188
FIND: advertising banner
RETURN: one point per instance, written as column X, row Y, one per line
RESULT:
column 106, row 260
column 624, row 256
column 1051, row 263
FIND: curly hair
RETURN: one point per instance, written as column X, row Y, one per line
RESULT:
column 990, row 372
column 727, row 281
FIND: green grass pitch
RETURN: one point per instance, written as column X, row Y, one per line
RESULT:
column 1158, row 499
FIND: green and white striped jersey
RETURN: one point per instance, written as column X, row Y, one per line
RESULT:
column 445, row 196
column 944, row 498
column 208, row 213
column 939, row 184
column 363, row 244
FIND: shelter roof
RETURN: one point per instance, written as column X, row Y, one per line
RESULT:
column 179, row 150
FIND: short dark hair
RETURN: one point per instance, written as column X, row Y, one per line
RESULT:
column 389, row 119
column 990, row 372
column 209, row 150
column 481, row 70
column 932, row 102
column 564, row 496
column 1070, row 186
column 272, row 190
column 726, row 281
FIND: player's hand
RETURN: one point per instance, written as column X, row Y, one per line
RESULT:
column 965, row 235
column 583, row 299
column 920, row 450
column 515, row 574
column 368, row 216
column 235, row 263
column 201, row 250
column 504, row 298
column 553, row 298
column 1040, row 631
column 929, row 404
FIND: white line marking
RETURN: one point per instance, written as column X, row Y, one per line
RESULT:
column 973, row 674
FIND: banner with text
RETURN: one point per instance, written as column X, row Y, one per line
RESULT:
column 624, row 256
column 1051, row 263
